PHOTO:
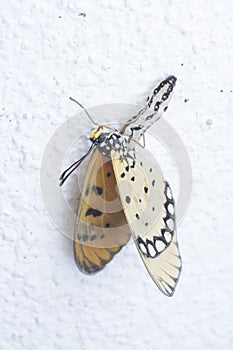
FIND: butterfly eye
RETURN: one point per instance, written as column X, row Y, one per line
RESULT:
column 101, row 138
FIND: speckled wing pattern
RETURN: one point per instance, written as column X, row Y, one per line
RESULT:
column 101, row 229
column 150, row 212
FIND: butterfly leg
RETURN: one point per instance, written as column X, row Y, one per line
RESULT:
column 135, row 140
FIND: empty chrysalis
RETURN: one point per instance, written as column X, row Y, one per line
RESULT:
column 125, row 195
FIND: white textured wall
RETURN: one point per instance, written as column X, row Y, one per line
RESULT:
column 114, row 54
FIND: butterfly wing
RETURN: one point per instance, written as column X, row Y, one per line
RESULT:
column 101, row 229
column 156, row 104
column 150, row 212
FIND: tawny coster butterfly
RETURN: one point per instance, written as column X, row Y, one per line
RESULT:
column 124, row 195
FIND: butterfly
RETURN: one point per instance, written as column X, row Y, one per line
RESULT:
column 124, row 195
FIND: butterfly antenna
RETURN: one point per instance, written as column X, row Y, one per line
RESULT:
column 90, row 117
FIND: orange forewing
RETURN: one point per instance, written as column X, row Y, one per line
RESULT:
column 101, row 229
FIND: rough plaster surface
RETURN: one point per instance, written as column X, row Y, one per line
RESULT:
column 49, row 51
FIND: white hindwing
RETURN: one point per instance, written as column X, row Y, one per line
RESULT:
column 149, row 208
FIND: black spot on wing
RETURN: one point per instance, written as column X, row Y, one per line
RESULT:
column 128, row 199
column 93, row 212
column 85, row 237
column 133, row 165
column 97, row 190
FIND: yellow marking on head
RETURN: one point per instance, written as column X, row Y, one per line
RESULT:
column 96, row 133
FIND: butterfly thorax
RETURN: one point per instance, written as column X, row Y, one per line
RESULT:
column 108, row 141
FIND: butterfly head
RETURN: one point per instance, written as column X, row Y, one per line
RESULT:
column 98, row 135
